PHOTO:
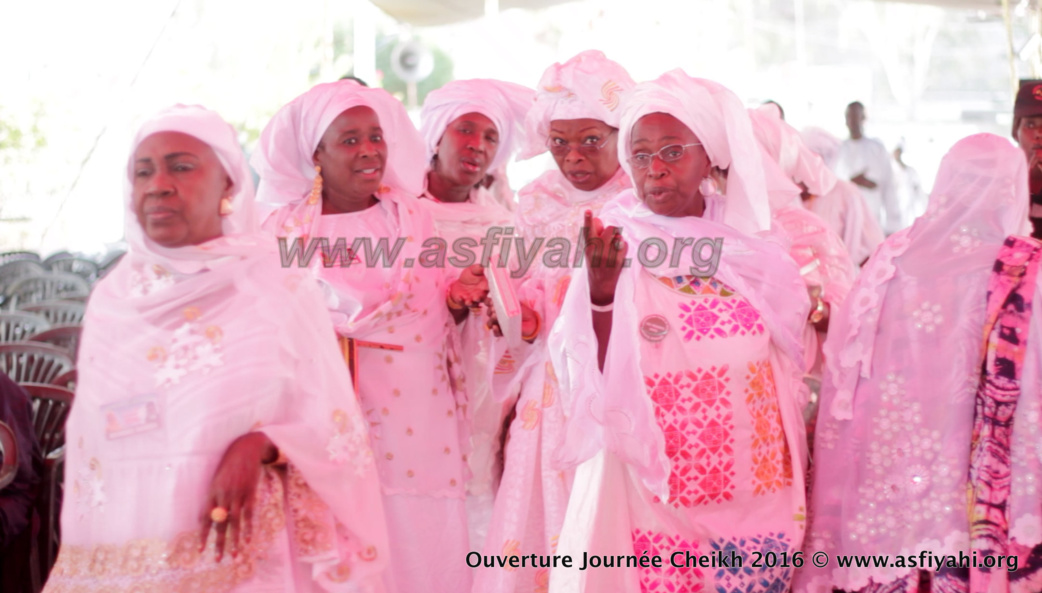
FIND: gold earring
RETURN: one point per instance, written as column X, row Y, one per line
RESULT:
column 316, row 187
column 226, row 207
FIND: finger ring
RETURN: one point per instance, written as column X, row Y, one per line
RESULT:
column 219, row 515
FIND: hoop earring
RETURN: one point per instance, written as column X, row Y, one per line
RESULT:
column 226, row 207
column 708, row 186
column 316, row 187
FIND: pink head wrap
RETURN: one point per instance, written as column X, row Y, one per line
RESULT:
column 505, row 103
column 717, row 117
column 283, row 158
column 786, row 147
column 587, row 86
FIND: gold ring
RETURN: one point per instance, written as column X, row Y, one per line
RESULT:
column 219, row 515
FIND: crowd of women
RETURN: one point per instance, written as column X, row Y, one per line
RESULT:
column 243, row 426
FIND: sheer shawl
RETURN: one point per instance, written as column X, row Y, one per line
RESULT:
column 903, row 361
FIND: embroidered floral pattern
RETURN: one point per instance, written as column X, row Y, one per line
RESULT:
column 772, row 464
column 530, row 415
column 89, row 487
column 694, row 411
column 667, row 578
column 313, row 533
column 746, row 578
column 175, row 565
column 965, row 240
column 927, row 317
column 898, row 434
column 350, row 443
column 827, row 433
column 148, row 280
column 193, row 348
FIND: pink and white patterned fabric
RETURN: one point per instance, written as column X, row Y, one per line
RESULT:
column 210, row 342
column 725, row 438
column 693, row 381
column 893, row 439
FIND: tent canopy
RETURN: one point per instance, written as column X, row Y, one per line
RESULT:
column 429, row 13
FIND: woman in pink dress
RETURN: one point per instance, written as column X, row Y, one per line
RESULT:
column 215, row 443
column 684, row 369
column 347, row 165
column 576, row 117
column 472, row 128
column 928, row 431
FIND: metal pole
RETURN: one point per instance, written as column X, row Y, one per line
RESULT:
column 1009, row 48
column 1036, row 60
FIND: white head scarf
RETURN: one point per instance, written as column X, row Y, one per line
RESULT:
column 505, row 103
column 903, row 358
column 587, row 86
column 718, row 118
column 238, row 227
column 283, row 158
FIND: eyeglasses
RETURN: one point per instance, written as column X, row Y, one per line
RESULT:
column 668, row 154
column 558, row 146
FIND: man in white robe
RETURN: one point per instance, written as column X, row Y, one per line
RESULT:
column 866, row 163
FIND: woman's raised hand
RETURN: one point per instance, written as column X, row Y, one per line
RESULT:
column 605, row 252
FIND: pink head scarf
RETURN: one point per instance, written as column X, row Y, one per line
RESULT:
column 587, row 86
column 786, row 147
column 283, row 158
column 717, row 117
column 504, row 103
